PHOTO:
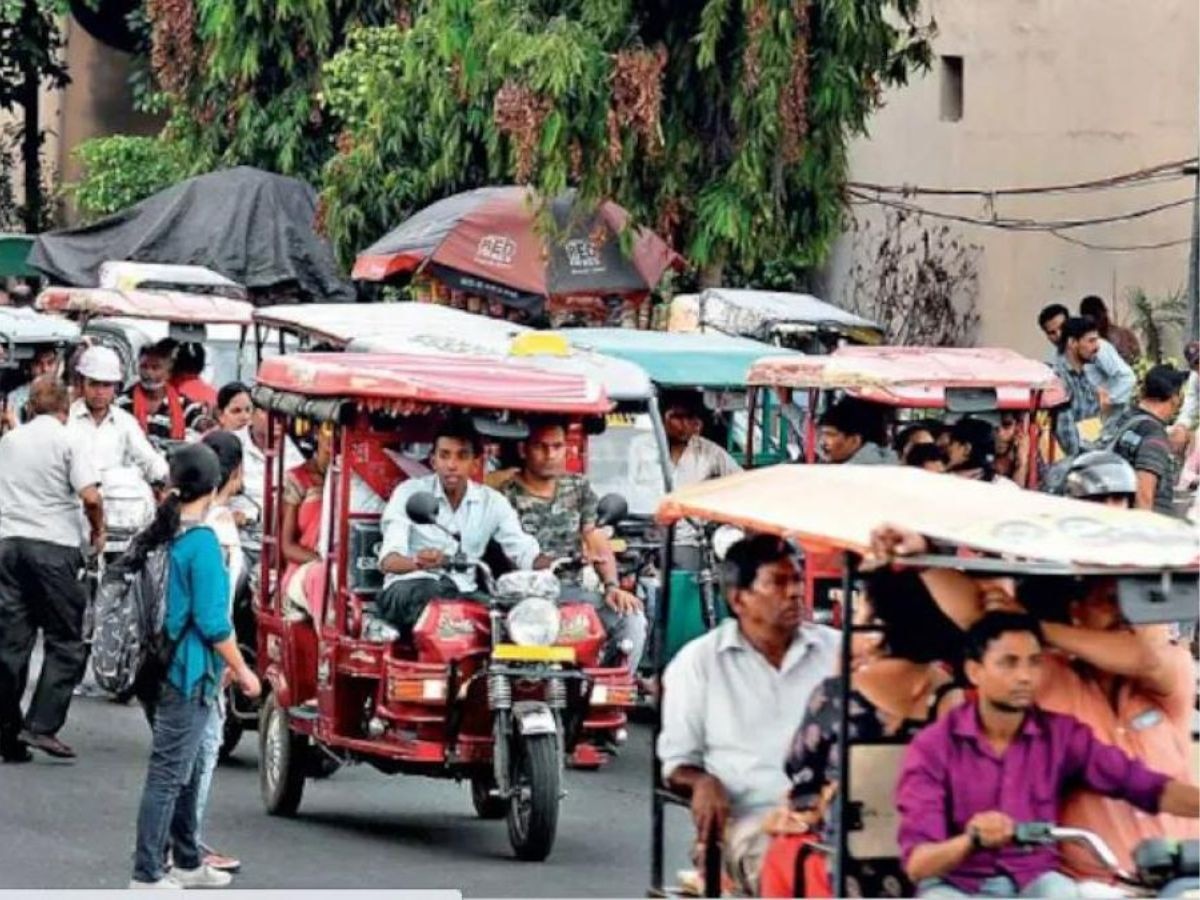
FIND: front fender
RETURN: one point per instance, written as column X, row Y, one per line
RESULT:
column 534, row 717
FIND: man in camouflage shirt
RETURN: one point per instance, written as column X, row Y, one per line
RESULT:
column 559, row 510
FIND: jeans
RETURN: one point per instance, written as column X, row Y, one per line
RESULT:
column 210, row 750
column 168, row 808
column 39, row 589
column 1048, row 884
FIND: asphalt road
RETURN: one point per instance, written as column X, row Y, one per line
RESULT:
column 72, row 825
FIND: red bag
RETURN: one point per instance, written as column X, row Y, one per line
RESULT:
column 793, row 867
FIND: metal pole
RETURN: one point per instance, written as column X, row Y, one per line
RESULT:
column 1193, row 291
column 843, row 797
column 657, row 823
column 31, row 138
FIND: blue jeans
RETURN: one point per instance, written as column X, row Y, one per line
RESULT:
column 210, row 750
column 168, row 808
column 1048, row 884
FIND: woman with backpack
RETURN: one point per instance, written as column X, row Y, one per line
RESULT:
column 199, row 636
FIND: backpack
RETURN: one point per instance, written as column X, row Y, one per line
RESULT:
column 131, row 651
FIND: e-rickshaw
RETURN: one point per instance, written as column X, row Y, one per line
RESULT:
column 126, row 275
column 127, row 320
column 975, row 529
column 491, row 692
column 23, row 335
column 795, row 321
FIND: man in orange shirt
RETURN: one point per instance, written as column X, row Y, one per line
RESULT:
column 1132, row 685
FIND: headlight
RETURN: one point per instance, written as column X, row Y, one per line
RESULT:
column 533, row 623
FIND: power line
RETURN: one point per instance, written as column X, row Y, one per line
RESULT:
column 1162, row 172
column 1019, row 224
column 1117, row 248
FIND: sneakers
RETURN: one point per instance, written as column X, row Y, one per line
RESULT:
column 166, row 883
column 219, row 861
column 202, row 876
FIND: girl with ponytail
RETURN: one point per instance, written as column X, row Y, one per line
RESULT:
column 197, row 622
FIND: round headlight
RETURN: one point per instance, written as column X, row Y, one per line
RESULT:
column 533, row 623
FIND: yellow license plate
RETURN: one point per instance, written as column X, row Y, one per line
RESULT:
column 517, row 653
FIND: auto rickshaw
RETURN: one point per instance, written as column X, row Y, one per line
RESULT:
column 474, row 694
column 23, row 334
column 717, row 365
column 795, row 321
column 127, row 320
column 976, row 529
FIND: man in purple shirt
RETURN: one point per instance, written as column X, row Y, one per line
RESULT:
column 969, row 779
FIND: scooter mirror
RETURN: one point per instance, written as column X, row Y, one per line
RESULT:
column 611, row 509
column 422, row 508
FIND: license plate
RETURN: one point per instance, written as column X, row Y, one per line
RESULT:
column 518, row 653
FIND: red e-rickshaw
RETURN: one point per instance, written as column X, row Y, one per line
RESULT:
column 473, row 695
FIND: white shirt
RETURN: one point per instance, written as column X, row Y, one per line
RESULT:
column 254, row 468
column 1189, row 413
column 484, row 514
column 220, row 520
column 43, row 469
column 116, row 441
column 701, row 460
column 728, row 711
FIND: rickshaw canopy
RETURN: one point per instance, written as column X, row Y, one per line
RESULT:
column 673, row 359
column 168, row 306
column 20, row 325
column 762, row 314
column 916, row 377
column 402, row 379
column 430, row 329
column 125, row 275
column 835, row 507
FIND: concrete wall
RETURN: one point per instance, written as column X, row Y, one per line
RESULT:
column 1054, row 91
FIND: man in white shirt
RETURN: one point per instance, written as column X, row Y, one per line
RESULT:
column 733, row 698
column 45, row 476
column 254, row 463
column 112, row 435
column 414, row 557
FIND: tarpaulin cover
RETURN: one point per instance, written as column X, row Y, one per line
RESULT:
column 251, row 226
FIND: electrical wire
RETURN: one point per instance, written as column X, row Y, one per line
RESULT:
column 1167, row 171
column 1017, row 224
column 1116, row 248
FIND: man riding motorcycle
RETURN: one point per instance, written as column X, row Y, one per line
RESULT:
column 559, row 510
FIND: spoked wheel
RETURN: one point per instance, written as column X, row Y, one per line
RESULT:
column 533, row 807
column 487, row 804
column 280, row 761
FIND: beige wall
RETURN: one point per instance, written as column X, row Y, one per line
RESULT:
column 1055, row 91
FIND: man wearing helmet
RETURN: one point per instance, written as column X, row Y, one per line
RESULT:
column 113, row 435
column 1101, row 476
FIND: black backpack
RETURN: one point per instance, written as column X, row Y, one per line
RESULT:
column 131, row 651
column 1119, row 435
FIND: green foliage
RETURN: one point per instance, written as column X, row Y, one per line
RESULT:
column 119, row 171
column 1160, row 322
column 722, row 123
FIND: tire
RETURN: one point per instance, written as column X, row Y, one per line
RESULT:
column 487, row 805
column 280, row 761
column 533, row 807
column 231, row 735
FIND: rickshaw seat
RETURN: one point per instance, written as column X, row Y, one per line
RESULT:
column 362, row 561
column 874, row 770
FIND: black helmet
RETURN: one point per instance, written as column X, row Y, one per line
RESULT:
column 1098, row 474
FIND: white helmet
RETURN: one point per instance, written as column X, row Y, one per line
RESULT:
column 100, row 364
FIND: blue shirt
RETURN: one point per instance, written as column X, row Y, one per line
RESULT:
column 483, row 515
column 197, row 614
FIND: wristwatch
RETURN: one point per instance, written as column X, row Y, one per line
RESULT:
column 976, row 839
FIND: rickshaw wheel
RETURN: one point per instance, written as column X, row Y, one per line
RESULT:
column 280, row 761
column 533, row 806
column 487, row 805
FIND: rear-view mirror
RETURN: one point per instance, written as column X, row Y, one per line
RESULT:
column 971, row 400
column 611, row 509
column 422, row 508
column 1153, row 600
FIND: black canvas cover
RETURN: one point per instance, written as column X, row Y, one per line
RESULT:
column 252, row 226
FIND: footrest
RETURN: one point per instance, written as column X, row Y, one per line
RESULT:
column 307, row 712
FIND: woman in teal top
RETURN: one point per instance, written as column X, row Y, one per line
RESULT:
column 197, row 619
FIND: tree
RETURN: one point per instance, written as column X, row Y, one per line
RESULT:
column 723, row 124
column 120, row 170
column 30, row 54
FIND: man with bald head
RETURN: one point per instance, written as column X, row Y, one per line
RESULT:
column 45, row 474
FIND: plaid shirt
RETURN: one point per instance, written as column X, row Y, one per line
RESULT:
column 1085, row 404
